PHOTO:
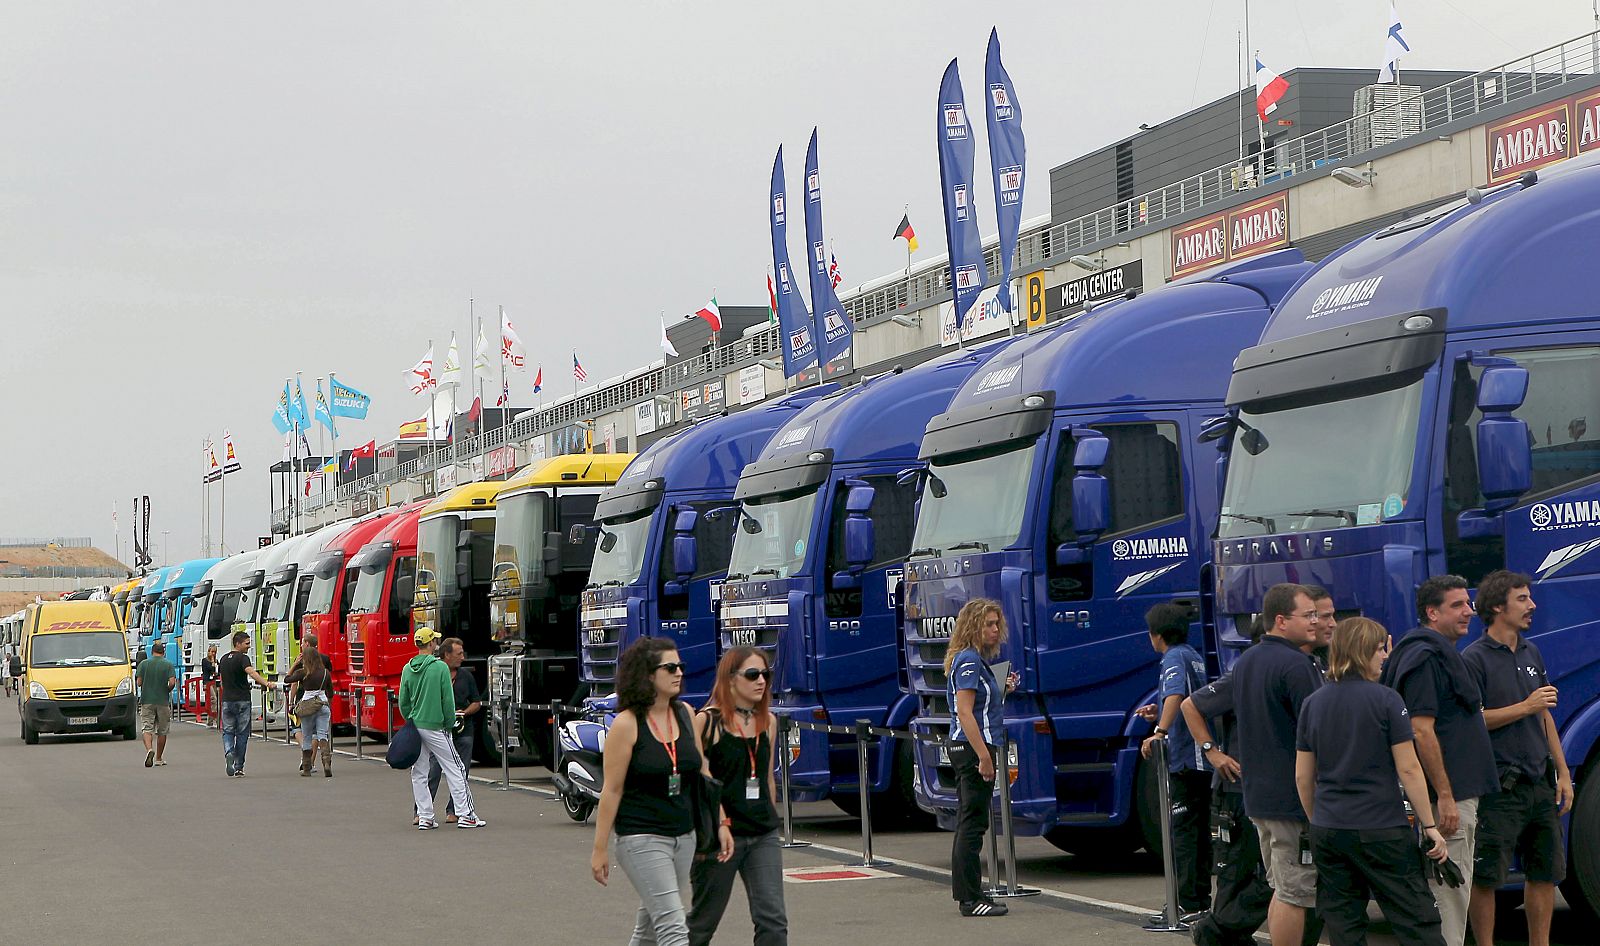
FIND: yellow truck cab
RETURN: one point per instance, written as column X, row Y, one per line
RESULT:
column 75, row 672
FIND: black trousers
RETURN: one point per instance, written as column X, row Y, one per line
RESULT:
column 1243, row 895
column 1382, row 865
column 973, row 794
column 1190, row 794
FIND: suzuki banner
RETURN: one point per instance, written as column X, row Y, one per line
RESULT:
column 1008, row 153
column 794, row 322
column 833, row 329
column 967, row 275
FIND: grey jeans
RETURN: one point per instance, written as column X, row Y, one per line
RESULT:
column 759, row 860
column 658, row 867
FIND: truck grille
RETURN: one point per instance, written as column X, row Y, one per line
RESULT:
column 602, row 632
column 358, row 657
column 754, row 623
column 99, row 693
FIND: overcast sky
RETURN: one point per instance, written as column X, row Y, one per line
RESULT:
column 199, row 199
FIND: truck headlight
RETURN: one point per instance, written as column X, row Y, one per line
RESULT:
column 125, row 687
column 36, row 691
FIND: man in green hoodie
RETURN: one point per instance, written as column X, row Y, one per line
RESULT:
column 428, row 701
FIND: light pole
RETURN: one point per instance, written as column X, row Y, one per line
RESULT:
column 164, row 534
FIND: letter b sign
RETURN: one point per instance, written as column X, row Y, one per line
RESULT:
column 1033, row 299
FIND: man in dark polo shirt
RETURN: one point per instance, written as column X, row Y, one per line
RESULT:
column 1270, row 681
column 1524, row 817
column 1445, row 703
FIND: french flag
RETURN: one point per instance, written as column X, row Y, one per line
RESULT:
column 1270, row 87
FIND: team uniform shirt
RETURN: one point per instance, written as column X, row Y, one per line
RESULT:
column 1441, row 686
column 1270, row 681
column 1215, row 703
column 1508, row 677
column 1352, row 726
column 969, row 672
column 231, row 668
column 465, row 689
column 1182, row 673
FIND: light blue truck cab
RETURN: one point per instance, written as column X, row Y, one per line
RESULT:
column 659, row 561
column 826, row 516
column 172, row 611
column 1419, row 406
column 1065, row 483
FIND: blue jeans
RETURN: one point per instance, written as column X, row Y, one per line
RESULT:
column 236, row 717
column 315, row 727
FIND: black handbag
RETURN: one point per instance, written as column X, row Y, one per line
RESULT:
column 706, row 797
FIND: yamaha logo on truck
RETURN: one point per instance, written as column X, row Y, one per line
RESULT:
column 936, row 628
column 795, row 436
column 1350, row 295
column 1569, row 515
column 1170, row 547
column 997, row 379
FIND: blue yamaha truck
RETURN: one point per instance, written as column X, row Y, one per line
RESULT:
column 659, row 561
column 826, row 519
column 1418, row 406
column 1065, row 482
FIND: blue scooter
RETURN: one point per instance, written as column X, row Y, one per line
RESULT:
column 580, row 770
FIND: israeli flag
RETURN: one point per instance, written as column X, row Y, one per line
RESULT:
column 1394, row 46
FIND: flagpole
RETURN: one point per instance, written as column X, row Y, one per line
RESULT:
column 477, row 333
column 503, row 390
column 222, row 519
column 1238, row 66
column 432, row 400
column 205, row 501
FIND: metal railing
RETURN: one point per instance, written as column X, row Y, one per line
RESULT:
column 68, row 542
column 1462, row 98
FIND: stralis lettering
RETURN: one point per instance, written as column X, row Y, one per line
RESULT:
column 936, row 628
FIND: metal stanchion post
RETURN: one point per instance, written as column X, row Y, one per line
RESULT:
column 555, row 735
column 360, row 700
column 1167, row 920
column 864, row 785
column 505, row 746
column 263, row 716
column 785, row 727
column 1002, row 773
column 388, row 715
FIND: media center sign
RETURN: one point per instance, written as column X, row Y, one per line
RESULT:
column 1070, row 297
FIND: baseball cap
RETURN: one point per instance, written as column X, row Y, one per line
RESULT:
column 424, row 636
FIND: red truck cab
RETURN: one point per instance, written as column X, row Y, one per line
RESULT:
column 378, row 625
column 332, row 592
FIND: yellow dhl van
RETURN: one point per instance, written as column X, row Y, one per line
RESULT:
column 75, row 671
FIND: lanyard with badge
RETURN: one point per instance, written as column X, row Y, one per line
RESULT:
column 752, row 785
column 674, row 781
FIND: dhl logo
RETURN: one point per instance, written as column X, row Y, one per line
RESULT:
column 78, row 626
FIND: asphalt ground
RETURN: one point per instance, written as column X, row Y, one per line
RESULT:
column 94, row 847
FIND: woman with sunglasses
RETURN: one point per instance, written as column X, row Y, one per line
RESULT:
column 738, row 731
column 651, row 749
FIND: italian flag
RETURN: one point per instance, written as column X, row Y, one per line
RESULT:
column 711, row 314
column 772, row 302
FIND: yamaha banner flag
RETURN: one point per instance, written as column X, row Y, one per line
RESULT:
column 960, row 212
column 794, row 322
column 1008, row 152
column 832, row 323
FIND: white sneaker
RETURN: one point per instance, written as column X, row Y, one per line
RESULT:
column 472, row 821
column 427, row 825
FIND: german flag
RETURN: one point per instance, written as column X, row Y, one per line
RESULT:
column 904, row 232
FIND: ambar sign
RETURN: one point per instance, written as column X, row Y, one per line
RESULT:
column 1246, row 231
column 1542, row 136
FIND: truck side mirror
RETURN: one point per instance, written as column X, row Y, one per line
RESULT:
column 860, row 535
column 1091, row 493
column 1505, row 452
column 552, row 547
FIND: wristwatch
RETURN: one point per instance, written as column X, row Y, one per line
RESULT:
column 1160, row 732
column 1207, row 746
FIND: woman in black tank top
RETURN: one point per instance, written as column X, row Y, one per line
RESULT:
column 651, row 750
column 738, row 732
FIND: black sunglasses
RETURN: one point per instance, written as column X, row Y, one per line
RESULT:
column 668, row 667
column 753, row 674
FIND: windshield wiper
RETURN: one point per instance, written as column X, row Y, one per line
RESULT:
column 766, row 571
column 974, row 545
column 1264, row 521
column 928, row 551
column 1347, row 516
column 737, row 576
column 611, row 583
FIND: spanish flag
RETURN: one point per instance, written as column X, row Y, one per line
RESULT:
column 414, row 429
column 904, row 232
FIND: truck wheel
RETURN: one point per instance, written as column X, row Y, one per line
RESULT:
column 1141, row 830
column 895, row 809
column 29, row 734
column 131, row 733
column 1582, row 886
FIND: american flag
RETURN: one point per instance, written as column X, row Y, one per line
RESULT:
column 577, row 369
column 833, row 270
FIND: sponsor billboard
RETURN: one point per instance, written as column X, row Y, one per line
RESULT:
column 1071, row 296
column 1250, row 230
column 985, row 318
column 752, row 384
column 1539, row 137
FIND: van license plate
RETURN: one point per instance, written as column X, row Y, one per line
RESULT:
column 83, row 720
column 944, row 755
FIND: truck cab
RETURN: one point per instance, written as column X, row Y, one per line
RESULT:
column 825, row 520
column 76, row 676
column 542, row 548
column 378, row 627
column 172, row 613
column 288, row 592
column 1064, row 483
column 1443, row 370
column 327, row 611
column 149, row 608
column 659, row 563
column 266, row 596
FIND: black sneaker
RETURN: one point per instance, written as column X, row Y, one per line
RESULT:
column 983, row 908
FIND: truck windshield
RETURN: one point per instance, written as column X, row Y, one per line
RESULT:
column 246, row 612
column 219, row 613
column 278, row 600
column 369, row 587
column 321, row 600
column 520, row 523
column 772, row 536
column 77, row 650
column 197, row 611
column 1327, row 464
column 619, row 550
column 974, row 501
